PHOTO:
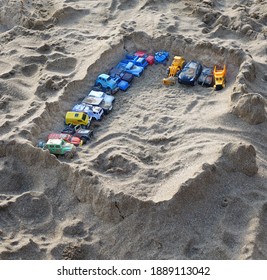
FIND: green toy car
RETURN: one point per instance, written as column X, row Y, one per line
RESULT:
column 59, row 147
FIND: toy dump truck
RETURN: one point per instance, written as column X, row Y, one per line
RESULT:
column 176, row 66
column 219, row 77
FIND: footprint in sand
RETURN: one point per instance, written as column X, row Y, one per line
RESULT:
column 29, row 70
column 62, row 65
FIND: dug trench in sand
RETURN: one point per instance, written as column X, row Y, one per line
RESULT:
column 172, row 172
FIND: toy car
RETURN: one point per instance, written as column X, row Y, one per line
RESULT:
column 129, row 67
column 219, row 77
column 123, row 85
column 77, row 131
column 161, row 57
column 105, row 104
column 117, row 72
column 136, row 60
column 92, row 111
column 95, row 101
column 107, row 83
column 190, row 73
column 74, row 118
column 174, row 70
column 149, row 57
column 59, row 147
column 76, row 141
column 206, row 77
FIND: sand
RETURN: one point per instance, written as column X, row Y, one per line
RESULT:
column 172, row 172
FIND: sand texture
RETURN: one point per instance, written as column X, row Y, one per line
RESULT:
column 174, row 172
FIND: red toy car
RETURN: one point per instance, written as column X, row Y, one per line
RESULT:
column 149, row 57
column 66, row 137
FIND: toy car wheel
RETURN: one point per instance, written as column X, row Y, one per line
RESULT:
column 69, row 155
column 84, row 139
column 98, row 85
column 194, row 82
column 41, row 144
column 178, row 72
column 108, row 91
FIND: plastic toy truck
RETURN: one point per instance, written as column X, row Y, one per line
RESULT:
column 206, row 77
column 173, row 70
column 59, row 147
column 219, row 77
column 92, row 111
column 109, row 85
column 130, row 67
column 74, row 118
column 77, row 131
column 107, row 100
column 161, row 57
column 124, row 76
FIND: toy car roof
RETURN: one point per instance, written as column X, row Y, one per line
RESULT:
column 98, row 94
column 74, row 113
column 129, row 65
column 140, row 53
column 115, row 70
column 104, row 76
column 92, row 100
column 78, row 107
column 192, row 64
column 91, row 108
column 54, row 141
column 57, row 135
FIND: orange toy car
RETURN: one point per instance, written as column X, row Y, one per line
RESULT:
column 66, row 137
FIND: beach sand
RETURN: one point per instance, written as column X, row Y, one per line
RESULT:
column 175, row 172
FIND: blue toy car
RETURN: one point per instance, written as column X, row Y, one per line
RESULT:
column 123, row 85
column 108, row 84
column 136, row 60
column 190, row 73
column 206, row 77
column 92, row 111
column 129, row 67
column 161, row 57
column 119, row 73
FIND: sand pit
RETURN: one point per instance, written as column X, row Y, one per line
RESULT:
column 172, row 172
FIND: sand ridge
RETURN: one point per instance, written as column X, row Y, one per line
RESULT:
column 172, row 172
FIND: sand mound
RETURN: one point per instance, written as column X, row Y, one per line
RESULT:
column 171, row 172
column 251, row 108
column 205, row 203
column 240, row 158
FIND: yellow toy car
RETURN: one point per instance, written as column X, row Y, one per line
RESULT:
column 74, row 118
column 219, row 77
column 176, row 66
